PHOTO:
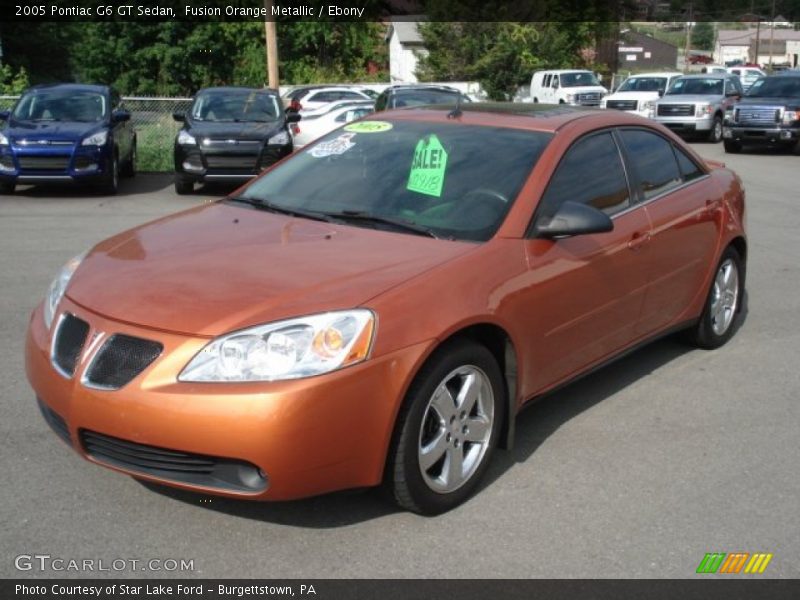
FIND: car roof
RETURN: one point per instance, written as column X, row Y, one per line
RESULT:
column 335, row 88
column 562, row 71
column 709, row 76
column 518, row 115
column 71, row 86
column 237, row 88
column 657, row 74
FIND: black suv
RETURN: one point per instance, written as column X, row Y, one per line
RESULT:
column 768, row 114
column 230, row 134
column 401, row 96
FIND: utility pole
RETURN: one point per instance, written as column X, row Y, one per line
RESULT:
column 771, row 35
column 271, row 36
column 758, row 38
column 688, row 37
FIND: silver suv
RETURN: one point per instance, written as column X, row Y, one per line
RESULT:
column 696, row 104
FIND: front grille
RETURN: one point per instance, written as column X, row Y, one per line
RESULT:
column 57, row 424
column 173, row 465
column 622, row 104
column 590, row 99
column 236, row 161
column 43, row 163
column 121, row 358
column 757, row 115
column 69, row 340
column 676, row 110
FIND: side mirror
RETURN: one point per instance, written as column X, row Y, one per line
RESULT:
column 555, row 84
column 4, row 114
column 120, row 116
column 660, row 93
column 179, row 116
column 293, row 117
column 573, row 218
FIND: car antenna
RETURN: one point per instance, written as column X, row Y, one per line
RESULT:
column 456, row 112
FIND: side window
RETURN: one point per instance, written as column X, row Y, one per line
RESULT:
column 380, row 103
column 590, row 173
column 653, row 160
column 689, row 170
column 546, row 80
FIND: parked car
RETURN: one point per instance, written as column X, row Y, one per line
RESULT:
column 410, row 95
column 230, row 134
column 696, row 104
column 700, row 59
column 567, row 86
column 768, row 114
column 378, row 307
column 62, row 133
column 317, row 98
column 327, row 119
column 711, row 69
column 638, row 93
column 747, row 75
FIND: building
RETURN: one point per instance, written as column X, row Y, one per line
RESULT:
column 637, row 51
column 405, row 45
column 740, row 44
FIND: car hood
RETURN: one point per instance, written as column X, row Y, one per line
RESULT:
column 769, row 101
column 65, row 131
column 219, row 268
column 690, row 99
column 585, row 89
column 641, row 96
column 233, row 130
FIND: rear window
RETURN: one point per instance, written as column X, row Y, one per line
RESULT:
column 421, row 97
column 457, row 180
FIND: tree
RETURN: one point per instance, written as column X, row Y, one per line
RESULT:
column 13, row 83
column 703, row 36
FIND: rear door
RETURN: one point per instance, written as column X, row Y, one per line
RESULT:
column 586, row 292
column 683, row 205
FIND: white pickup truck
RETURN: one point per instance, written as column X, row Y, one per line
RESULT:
column 638, row 93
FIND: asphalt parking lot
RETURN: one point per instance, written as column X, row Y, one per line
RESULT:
column 635, row 471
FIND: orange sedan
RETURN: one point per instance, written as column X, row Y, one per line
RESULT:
column 377, row 308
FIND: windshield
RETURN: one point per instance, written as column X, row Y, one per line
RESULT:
column 578, row 79
column 706, row 86
column 236, row 105
column 775, row 87
column 405, row 98
column 644, row 84
column 62, row 105
column 455, row 181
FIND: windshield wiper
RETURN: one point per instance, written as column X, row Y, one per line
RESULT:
column 264, row 204
column 355, row 215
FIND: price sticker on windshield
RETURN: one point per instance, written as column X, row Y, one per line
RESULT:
column 428, row 167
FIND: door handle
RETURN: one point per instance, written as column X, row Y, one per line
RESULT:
column 638, row 240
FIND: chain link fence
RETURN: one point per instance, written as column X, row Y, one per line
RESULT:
column 155, row 127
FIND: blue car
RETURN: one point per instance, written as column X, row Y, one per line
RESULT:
column 67, row 133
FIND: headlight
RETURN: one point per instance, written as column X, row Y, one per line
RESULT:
column 289, row 349
column 790, row 116
column 185, row 138
column 56, row 290
column 279, row 139
column 602, row 103
column 96, row 139
column 648, row 105
column 3, row 140
column 703, row 109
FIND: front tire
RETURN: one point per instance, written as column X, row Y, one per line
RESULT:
column 447, row 430
column 732, row 146
column 111, row 184
column 129, row 170
column 723, row 305
column 715, row 135
column 7, row 188
column 183, row 186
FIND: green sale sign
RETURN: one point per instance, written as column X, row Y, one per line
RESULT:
column 428, row 167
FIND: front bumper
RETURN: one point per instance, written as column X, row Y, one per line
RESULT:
column 687, row 124
column 238, row 163
column 302, row 437
column 55, row 164
column 761, row 135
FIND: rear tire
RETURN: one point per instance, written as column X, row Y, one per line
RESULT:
column 183, row 186
column 732, row 146
column 7, row 188
column 447, row 429
column 723, row 305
